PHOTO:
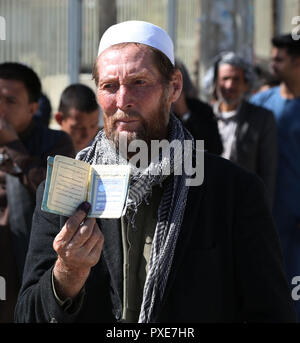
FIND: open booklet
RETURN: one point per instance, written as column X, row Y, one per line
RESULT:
column 69, row 182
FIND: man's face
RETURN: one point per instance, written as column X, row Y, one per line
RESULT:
column 231, row 84
column 81, row 126
column 282, row 64
column 15, row 107
column 134, row 100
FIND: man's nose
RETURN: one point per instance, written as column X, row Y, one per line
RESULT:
column 229, row 84
column 124, row 97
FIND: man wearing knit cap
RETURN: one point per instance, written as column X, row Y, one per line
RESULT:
column 181, row 252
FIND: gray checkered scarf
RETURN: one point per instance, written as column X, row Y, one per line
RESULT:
column 170, row 212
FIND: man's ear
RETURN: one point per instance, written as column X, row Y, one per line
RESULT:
column 33, row 107
column 176, row 86
column 58, row 117
column 296, row 62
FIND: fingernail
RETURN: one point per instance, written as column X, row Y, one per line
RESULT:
column 84, row 206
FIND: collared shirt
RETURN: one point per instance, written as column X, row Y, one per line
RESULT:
column 137, row 243
column 227, row 124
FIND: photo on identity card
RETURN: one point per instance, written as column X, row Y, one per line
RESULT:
column 70, row 182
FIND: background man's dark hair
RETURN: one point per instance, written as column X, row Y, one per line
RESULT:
column 77, row 96
column 287, row 42
column 20, row 72
column 188, row 88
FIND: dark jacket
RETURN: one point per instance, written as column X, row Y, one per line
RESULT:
column 20, row 175
column 255, row 147
column 227, row 266
column 202, row 124
column 39, row 143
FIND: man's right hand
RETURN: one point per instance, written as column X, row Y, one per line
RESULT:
column 78, row 246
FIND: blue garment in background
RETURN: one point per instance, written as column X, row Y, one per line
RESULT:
column 286, row 208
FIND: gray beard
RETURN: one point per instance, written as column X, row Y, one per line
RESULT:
column 236, row 101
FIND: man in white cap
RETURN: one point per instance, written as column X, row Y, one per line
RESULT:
column 180, row 253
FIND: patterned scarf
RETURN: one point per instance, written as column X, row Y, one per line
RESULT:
column 170, row 212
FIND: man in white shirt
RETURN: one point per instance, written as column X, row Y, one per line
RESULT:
column 248, row 132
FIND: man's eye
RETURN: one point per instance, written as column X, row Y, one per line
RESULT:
column 11, row 100
column 109, row 86
column 139, row 82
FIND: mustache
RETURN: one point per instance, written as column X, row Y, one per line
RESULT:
column 121, row 115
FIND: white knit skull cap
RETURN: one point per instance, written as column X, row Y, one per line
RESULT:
column 134, row 31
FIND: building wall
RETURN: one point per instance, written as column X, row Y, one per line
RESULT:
column 290, row 9
column 263, row 22
column 267, row 25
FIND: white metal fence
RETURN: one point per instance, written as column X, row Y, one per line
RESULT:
column 36, row 34
column 36, row 30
